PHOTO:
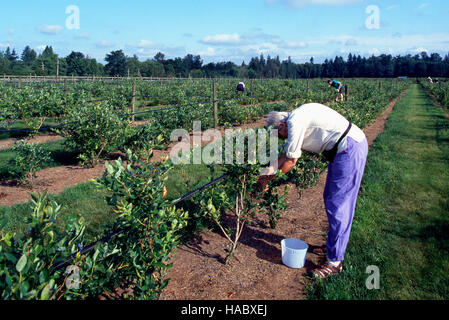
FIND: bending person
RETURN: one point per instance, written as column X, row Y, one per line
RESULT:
column 339, row 87
column 317, row 128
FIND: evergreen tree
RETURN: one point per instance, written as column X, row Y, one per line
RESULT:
column 117, row 64
column 29, row 56
column 76, row 64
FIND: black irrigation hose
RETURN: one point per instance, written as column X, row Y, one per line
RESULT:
column 192, row 193
column 107, row 238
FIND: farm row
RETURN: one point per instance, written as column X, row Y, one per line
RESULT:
column 439, row 90
column 148, row 226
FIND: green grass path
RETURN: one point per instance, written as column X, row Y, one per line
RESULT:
column 401, row 223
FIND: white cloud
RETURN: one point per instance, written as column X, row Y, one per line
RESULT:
column 223, row 39
column 40, row 48
column 50, row 30
column 146, row 44
column 209, row 52
column 104, row 44
column 418, row 50
column 258, row 34
column 147, row 49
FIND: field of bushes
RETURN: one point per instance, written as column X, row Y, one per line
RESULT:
column 49, row 257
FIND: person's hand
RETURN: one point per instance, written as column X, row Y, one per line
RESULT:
column 263, row 183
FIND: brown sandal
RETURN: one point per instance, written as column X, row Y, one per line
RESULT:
column 326, row 270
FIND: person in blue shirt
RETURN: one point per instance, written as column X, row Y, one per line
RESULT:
column 339, row 87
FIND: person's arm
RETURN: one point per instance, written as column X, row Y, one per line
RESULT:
column 285, row 164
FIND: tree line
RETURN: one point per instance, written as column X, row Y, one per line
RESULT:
column 48, row 63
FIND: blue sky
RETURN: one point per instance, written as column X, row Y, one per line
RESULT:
column 229, row 30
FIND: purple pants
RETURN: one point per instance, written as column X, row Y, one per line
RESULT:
column 340, row 195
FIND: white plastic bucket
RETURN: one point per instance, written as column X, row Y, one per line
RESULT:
column 294, row 253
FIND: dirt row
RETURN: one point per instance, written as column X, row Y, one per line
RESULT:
column 42, row 138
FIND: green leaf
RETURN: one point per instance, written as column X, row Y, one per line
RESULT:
column 21, row 263
column 24, row 288
column 46, row 292
column 10, row 257
column 97, row 252
column 38, row 249
column 43, row 276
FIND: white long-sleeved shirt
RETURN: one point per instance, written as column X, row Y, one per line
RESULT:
column 315, row 127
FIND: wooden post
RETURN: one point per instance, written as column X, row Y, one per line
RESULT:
column 20, row 82
column 65, row 86
column 251, row 91
column 346, row 92
column 133, row 101
column 308, row 88
column 215, row 105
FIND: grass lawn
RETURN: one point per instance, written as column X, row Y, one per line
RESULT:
column 401, row 223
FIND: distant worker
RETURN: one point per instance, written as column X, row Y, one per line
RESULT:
column 241, row 87
column 430, row 79
column 339, row 87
